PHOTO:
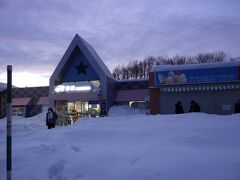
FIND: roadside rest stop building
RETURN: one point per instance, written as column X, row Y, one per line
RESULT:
column 82, row 86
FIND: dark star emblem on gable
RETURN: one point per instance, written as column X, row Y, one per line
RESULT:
column 81, row 68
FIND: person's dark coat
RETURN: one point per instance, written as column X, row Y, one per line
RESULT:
column 179, row 108
column 194, row 107
column 51, row 118
column 237, row 107
column 197, row 108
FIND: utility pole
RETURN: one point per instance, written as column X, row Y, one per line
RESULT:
column 9, row 122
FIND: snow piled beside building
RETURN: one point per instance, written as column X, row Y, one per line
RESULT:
column 187, row 146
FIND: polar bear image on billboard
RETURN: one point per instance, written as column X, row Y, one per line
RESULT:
column 172, row 78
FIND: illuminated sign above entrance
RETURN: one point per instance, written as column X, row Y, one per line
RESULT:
column 74, row 87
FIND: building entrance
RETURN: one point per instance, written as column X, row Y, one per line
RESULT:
column 70, row 111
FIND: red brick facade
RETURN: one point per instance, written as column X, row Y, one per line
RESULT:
column 154, row 101
column 151, row 79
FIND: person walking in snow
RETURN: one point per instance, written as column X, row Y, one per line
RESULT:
column 237, row 107
column 179, row 108
column 51, row 118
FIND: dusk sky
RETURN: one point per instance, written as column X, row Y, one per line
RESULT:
column 35, row 34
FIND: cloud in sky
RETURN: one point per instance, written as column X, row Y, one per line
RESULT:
column 35, row 34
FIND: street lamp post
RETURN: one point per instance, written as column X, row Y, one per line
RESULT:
column 9, row 122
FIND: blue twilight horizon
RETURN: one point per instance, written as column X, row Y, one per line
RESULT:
column 35, row 34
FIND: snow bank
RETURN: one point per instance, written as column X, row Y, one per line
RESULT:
column 184, row 147
column 124, row 110
column 23, row 126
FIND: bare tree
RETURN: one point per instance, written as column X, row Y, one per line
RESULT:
column 211, row 57
column 117, row 72
column 139, row 69
column 219, row 56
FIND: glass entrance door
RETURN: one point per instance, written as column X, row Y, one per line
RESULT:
column 94, row 110
column 81, row 108
column 71, row 111
column 61, row 110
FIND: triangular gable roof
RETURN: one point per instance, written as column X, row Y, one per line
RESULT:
column 97, row 58
column 88, row 52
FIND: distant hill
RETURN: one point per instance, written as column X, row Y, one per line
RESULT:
column 3, row 86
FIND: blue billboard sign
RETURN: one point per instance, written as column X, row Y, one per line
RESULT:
column 222, row 74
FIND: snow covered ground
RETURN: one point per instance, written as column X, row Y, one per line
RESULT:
column 193, row 146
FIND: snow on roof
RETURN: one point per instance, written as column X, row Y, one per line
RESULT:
column 43, row 101
column 89, row 53
column 132, row 80
column 96, row 57
column 194, row 66
column 20, row 101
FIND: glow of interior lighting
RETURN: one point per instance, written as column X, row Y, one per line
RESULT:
column 72, row 88
column 59, row 88
column 83, row 88
column 67, row 88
